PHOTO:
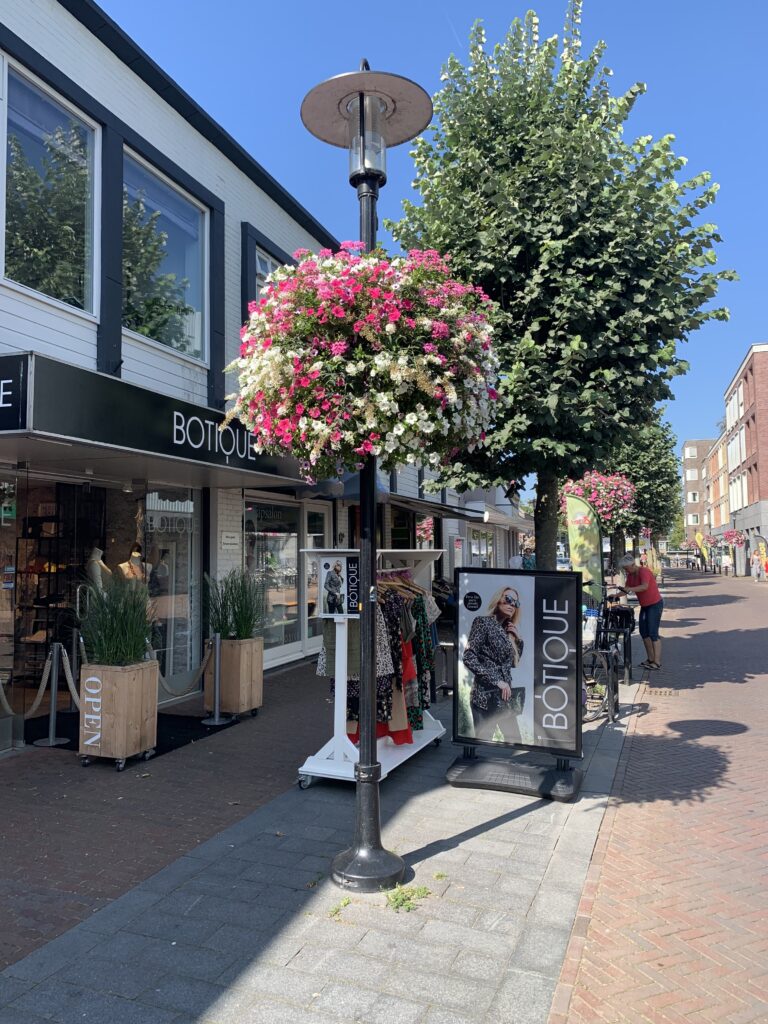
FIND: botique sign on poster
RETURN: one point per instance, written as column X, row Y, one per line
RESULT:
column 334, row 579
column 519, row 660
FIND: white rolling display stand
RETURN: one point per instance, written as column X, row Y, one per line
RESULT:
column 337, row 758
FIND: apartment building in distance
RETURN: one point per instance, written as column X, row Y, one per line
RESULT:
column 716, row 490
column 694, row 472
column 746, row 438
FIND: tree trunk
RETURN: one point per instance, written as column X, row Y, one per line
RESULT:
column 545, row 517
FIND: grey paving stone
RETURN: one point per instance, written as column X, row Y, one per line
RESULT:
column 110, row 976
column 478, row 966
column 452, row 992
column 382, row 919
column 494, row 943
column 68, row 1004
column 233, row 938
column 339, row 964
column 263, row 980
column 351, row 1001
column 272, row 1011
column 51, row 958
column 393, row 1010
column 12, row 988
column 445, row 910
column 522, row 998
column 10, row 1016
column 198, row 962
column 117, row 914
column 182, row 993
column 172, row 876
column 477, row 896
column 437, row 1015
column 399, row 949
column 172, row 927
column 541, row 950
column 555, row 907
column 509, row 923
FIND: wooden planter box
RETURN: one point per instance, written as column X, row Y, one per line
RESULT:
column 242, row 676
column 118, row 713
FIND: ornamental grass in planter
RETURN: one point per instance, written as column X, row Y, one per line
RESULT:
column 118, row 685
column 236, row 607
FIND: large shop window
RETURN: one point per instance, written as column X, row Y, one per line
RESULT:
column 173, row 552
column 164, row 261
column 481, row 549
column 49, row 195
column 272, row 555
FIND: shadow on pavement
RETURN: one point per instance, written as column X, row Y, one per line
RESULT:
column 696, row 728
column 711, row 600
column 659, row 768
column 691, row 662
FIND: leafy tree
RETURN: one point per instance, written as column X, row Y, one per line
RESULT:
column 47, row 238
column 153, row 303
column 46, row 210
column 677, row 531
column 647, row 457
column 588, row 243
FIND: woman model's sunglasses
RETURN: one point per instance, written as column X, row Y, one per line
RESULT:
column 508, row 599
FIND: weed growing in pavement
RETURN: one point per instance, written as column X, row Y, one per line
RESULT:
column 439, row 876
column 335, row 911
column 404, row 897
column 313, row 882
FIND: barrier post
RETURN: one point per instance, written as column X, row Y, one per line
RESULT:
column 53, row 740
column 217, row 718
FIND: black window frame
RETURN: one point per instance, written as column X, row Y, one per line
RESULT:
column 116, row 135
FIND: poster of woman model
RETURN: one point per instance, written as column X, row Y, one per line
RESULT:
column 519, row 660
column 339, row 583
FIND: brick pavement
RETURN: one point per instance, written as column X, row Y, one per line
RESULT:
column 247, row 928
column 672, row 924
column 73, row 839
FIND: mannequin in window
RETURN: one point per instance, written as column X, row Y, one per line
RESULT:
column 96, row 570
column 135, row 568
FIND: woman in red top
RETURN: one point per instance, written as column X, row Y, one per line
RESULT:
column 642, row 582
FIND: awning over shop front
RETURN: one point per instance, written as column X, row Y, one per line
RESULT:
column 70, row 422
column 421, row 506
column 495, row 517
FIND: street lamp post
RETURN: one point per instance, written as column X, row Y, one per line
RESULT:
column 366, row 111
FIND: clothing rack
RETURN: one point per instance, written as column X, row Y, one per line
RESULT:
column 337, row 758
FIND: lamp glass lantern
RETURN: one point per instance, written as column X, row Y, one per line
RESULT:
column 365, row 112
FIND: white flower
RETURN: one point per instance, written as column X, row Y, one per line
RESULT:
column 390, row 328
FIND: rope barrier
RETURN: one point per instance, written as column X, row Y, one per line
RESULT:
column 68, row 676
column 6, row 708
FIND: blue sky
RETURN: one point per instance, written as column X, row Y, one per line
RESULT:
column 249, row 65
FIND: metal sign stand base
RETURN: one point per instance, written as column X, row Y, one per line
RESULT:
column 52, row 740
column 554, row 782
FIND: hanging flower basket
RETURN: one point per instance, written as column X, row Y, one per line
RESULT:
column 347, row 355
column 425, row 530
column 610, row 494
column 734, row 537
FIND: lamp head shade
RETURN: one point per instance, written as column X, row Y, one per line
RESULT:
column 405, row 107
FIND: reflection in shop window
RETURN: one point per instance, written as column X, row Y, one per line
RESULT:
column 172, row 531
column 271, row 554
column 48, row 196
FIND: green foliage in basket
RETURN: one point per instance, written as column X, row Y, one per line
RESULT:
column 116, row 623
column 236, row 605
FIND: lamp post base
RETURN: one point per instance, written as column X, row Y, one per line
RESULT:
column 367, row 869
column 366, row 866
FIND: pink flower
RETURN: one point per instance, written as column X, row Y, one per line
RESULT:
column 297, row 255
column 314, row 412
column 429, row 347
column 338, row 348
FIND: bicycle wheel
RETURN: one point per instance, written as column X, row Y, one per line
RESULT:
column 596, row 679
column 612, row 688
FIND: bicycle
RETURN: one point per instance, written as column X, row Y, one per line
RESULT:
column 600, row 667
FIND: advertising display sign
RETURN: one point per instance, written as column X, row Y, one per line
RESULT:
column 339, row 582
column 519, row 660
column 585, row 544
